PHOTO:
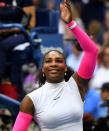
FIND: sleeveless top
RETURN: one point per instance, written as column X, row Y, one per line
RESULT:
column 58, row 106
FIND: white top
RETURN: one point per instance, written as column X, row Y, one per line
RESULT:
column 58, row 106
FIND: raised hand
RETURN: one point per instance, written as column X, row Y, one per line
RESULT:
column 66, row 12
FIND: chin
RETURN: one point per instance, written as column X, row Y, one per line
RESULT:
column 55, row 79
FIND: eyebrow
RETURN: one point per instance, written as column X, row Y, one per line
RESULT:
column 55, row 58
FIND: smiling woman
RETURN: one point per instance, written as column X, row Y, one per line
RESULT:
column 58, row 105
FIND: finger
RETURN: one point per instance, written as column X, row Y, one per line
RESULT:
column 67, row 6
column 63, row 7
column 67, row 1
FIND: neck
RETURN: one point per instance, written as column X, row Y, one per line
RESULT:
column 55, row 81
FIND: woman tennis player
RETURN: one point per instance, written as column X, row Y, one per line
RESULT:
column 58, row 105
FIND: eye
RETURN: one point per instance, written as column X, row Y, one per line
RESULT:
column 47, row 61
column 59, row 60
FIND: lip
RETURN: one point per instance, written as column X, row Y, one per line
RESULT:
column 53, row 70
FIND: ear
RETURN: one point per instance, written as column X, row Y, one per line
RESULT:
column 65, row 68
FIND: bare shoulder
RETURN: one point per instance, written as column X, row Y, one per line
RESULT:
column 82, row 84
column 27, row 106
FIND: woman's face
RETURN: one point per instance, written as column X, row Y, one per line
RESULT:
column 104, row 95
column 54, row 67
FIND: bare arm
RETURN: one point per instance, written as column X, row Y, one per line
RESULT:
column 27, row 106
column 7, row 31
column 25, row 115
column 82, row 84
column 31, row 10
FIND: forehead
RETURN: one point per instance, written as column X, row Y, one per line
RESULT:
column 54, row 54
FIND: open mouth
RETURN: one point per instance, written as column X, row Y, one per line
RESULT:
column 53, row 71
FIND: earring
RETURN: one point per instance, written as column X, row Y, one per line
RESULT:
column 65, row 74
column 43, row 75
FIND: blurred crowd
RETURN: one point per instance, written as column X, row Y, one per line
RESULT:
column 19, row 76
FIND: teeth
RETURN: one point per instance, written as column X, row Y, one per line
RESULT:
column 54, row 70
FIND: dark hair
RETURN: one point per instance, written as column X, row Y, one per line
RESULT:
column 60, row 52
column 105, row 87
column 42, row 79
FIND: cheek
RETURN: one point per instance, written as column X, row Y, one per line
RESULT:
column 45, row 67
column 62, row 65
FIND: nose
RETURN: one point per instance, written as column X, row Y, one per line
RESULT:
column 53, row 63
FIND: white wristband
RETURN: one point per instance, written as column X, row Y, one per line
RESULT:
column 73, row 26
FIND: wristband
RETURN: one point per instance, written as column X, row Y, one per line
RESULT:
column 72, row 25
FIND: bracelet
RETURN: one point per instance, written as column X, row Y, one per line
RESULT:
column 72, row 25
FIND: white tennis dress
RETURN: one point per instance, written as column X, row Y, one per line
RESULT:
column 58, row 107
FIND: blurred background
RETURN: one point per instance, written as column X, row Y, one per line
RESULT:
column 30, row 28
